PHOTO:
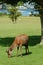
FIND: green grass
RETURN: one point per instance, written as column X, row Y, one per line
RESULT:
column 35, row 58
column 8, row 31
column 28, row 25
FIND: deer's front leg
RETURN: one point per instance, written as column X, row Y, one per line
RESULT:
column 21, row 50
column 17, row 50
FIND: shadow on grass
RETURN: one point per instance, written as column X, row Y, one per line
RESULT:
column 24, row 54
column 33, row 40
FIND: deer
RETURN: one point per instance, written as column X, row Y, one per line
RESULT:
column 18, row 42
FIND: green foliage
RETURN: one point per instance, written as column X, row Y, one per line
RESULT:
column 20, row 3
column 14, row 14
column 38, row 7
column 14, row 2
column 36, row 15
column 1, row 14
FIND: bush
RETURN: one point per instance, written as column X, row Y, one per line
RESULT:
column 1, row 14
column 36, row 14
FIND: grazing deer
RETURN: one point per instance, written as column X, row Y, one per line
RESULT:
column 18, row 42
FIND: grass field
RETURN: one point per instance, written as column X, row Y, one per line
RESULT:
column 28, row 25
column 8, row 31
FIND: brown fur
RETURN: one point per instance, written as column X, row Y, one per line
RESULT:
column 18, row 42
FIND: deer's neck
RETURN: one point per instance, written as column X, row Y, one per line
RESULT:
column 12, row 46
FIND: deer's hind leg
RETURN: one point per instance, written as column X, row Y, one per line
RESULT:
column 27, row 49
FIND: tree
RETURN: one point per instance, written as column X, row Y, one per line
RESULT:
column 14, row 14
column 41, row 13
column 39, row 6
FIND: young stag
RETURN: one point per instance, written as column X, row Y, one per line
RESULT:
column 18, row 42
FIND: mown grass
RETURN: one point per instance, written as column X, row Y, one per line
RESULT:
column 8, row 31
column 35, row 58
column 28, row 25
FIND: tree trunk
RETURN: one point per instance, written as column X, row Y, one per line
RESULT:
column 41, row 13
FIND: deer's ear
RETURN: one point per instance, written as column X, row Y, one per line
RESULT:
column 10, row 49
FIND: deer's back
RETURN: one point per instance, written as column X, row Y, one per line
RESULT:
column 21, row 39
